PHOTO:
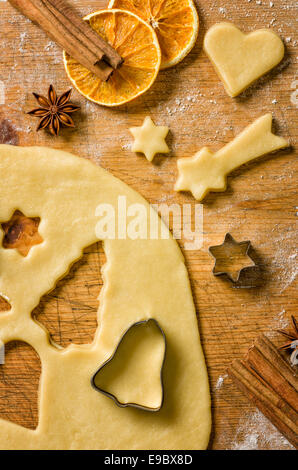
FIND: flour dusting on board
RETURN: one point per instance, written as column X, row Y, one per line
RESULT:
column 280, row 322
column 255, row 432
column 220, row 381
column 285, row 259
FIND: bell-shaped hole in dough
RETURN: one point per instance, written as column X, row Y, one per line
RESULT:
column 20, row 370
column 4, row 304
column 21, row 233
column 69, row 312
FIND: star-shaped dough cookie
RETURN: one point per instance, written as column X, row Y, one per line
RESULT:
column 200, row 174
column 150, row 139
column 207, row 171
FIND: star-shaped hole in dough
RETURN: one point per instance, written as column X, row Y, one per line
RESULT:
column 150, row 139
column 231, row 258
column 21, row 233
column 4, row 307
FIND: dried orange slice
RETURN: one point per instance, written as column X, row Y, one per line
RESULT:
column 175, row 22
column 136, row 42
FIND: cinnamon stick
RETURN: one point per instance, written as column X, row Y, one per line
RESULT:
column 269, row 403
column 66, row 14
column 80, row 47
column 270, row 383
column 273, row 356
column 272, row 375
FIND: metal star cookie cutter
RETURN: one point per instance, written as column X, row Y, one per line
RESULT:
column 223, row 256
column 113, row 397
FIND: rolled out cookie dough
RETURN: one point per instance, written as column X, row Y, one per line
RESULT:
column 142, row 279
column 240, row 59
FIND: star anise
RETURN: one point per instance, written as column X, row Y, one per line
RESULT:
column 292, row 344
column 54, row 111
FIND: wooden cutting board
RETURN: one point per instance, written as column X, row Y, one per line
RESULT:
column 260, row 203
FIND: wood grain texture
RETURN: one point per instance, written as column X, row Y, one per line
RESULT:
column 260, row 204
column 19, row 380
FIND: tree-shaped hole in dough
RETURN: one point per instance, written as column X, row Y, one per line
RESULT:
column 69, row 312
column 19, row 381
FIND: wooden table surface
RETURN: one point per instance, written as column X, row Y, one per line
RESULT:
column 260, row 203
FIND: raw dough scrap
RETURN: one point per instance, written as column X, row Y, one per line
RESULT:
column 143, row 279
column 239, row 58
column 207, row 171
column 150, row 139
column 133, row 376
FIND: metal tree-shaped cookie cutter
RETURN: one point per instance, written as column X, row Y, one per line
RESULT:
column 113, row 397
column 223, row 252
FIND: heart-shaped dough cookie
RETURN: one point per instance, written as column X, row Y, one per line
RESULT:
column 239, row 58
